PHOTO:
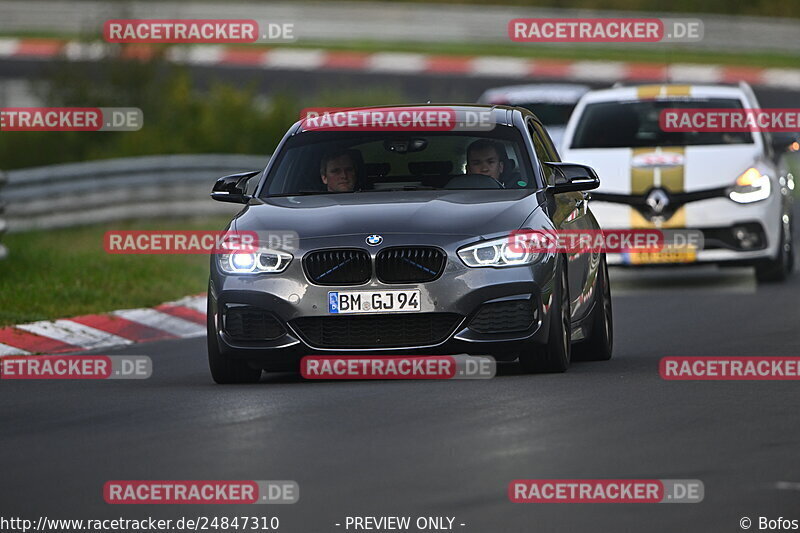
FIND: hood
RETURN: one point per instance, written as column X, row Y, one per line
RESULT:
column 471, row 213
column 677, row 169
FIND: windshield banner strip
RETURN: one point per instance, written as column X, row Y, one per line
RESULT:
column 432, row 118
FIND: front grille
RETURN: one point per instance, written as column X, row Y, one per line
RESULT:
column 376, row 331
column 246, row 323
column 409, row 265
column 503, row 317
column 676, row 200
column 338, row 267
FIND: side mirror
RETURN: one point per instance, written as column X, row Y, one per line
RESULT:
column 571, row 177
column 233, row 188
column 784, row 141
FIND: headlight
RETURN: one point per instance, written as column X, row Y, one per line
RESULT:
column 752, row 186
column 497, row 253
column 256, row 262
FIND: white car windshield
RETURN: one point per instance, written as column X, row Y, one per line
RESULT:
column 636, row 124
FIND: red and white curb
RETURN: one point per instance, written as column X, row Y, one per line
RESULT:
column 410, row 63
column 181, row 319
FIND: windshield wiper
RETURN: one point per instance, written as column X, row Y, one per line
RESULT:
column 313, row 193
column 403, row 188
column 304, row 193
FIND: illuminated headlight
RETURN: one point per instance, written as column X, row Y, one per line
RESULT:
column 497, row 253
column 257, row 262
column 752, row 186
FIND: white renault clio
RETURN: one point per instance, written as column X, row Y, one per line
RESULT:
column 733, row 186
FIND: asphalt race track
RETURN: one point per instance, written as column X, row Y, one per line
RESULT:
column 442, row 448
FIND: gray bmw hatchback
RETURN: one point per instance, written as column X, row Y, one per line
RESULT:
column 402, row 248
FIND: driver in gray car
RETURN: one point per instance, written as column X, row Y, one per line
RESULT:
column 486, row 157
column 338, row 171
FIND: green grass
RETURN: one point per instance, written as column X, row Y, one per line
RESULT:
column 761, row 8
column 63, row 273
column 726, row 7
column 794, row 167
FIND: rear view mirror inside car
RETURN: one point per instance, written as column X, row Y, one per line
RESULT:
column 403, row 146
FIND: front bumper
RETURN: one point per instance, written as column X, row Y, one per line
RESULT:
column 718, row 219
column 460, row 292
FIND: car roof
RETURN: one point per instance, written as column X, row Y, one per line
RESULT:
column 557, row 93
column 500, row 114
column 670, row 91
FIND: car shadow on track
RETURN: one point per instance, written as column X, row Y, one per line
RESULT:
column 504, row 369
column 630, row 281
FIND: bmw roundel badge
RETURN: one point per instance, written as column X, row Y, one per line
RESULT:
column 374, row 240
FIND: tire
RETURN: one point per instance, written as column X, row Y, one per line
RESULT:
column 600, row 344
column 225, row 370
column 778, row 269
column 555, row 355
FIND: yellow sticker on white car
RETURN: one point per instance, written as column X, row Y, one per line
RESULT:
column 661, row 167
column 651, row 92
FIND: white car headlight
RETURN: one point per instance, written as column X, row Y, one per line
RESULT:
column 497, row 253
column 254, row 262
column 751, row 186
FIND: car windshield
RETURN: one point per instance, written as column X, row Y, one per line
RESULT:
column 550, row 114
column 352, row 162
column 635, row 124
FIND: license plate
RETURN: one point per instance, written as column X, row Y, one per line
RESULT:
column 668, row 255
column 342, row 302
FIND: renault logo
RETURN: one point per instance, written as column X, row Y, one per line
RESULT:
column 374, row 240
column 658, row 200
